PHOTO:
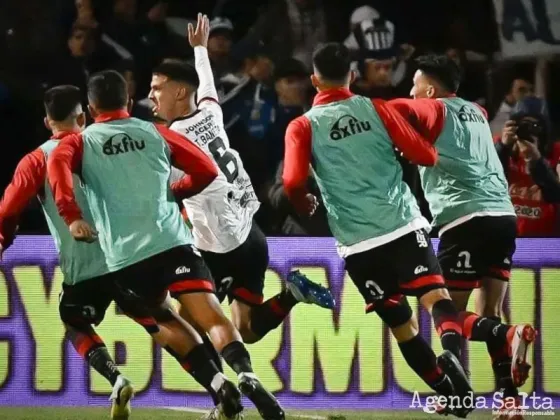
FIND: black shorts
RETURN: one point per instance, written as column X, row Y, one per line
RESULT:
column 405, row 266
column 86, row 302
column 143, row 287
column 239, row 274
column 482, row 247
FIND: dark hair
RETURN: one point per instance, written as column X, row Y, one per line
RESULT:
column 61, row 101
column 107, row 90
column 332, row 61
column 441, row 68
column 178, row 70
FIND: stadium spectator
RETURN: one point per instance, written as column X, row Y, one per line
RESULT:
column 519, row 88
column 531, row 162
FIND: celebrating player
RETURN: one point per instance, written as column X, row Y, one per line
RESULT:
column 230, row 241
column 143, row 236
column 373, row 215
column 88, row 288
column 469, row 200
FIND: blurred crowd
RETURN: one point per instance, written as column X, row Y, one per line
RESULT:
column 260, row 53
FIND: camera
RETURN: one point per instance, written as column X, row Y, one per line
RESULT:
column 526, row 130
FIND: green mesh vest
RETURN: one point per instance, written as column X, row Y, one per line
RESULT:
column 468, row 177
column 79, row 261
column 357, row 172
column 126, row 167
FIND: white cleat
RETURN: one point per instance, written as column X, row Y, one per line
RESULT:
column 123, row 391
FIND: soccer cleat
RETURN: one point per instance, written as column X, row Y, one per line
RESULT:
column 453, row 369
column 306, row 291
column 123, row 392
column 264, row 401
column 523, row 337
column 217, row 414
column 230, row 401
column 509, row 409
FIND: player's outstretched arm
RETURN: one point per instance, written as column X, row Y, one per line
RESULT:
column 199, row 169
column 413, row 145
column 198, row 38
column 63, row 162
column 427, row 116
column 29, row 178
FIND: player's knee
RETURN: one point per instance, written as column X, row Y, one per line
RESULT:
column 429, row 299
column 78, row 316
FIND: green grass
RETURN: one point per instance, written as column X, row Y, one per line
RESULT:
column 84, row 413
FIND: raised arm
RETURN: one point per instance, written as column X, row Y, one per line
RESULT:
column 65, row 160
column 198, row 38
column 28, row 180
column 199, row 169
column 415, row 147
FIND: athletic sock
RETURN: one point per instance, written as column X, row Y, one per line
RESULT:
column 199, row 364
column 478, row 328
column 422, row 360
column 446, row 321
column 215, row 356
column 237, row 357
column 270, row 314
column 92, row 348
column 501, row 365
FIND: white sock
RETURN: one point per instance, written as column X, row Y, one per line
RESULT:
column 217, row 381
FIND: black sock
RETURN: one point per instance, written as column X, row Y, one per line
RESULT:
column 199, row 365
column 237, row 357
column 478, row 328
column 102, row 362
column 446, row 322
column 501, row 365
column 270, row 314
column 422, row 360
column 213, row 352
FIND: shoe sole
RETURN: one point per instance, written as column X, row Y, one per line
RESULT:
column 264, row 401
column 295, row 291
column 122, row 410
column 452, row 368
column 523, row 337
column 231, row 400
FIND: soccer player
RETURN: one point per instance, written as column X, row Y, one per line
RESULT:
column 380, row 232
column 468, row 196
column 230, row 241
column 126, row 164
column 88, row 288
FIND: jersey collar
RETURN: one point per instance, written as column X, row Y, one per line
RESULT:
column 62, row 134
column 121, row 114
column 332, row 95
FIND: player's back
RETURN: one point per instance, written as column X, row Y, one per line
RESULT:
column 126, row 166
column 357, row 171
column 468, row 177
column 222, row 214
column 78, row 261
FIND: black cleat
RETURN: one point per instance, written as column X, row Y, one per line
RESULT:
column 230, row 400
column 264, row 401
column 461, row 386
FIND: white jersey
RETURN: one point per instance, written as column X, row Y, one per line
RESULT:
column 222, row 214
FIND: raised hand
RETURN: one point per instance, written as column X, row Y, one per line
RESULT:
column 198, row 37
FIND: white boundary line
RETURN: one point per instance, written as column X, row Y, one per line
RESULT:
column 202, row 411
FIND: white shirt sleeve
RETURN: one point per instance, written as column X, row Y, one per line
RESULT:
column 206, row 88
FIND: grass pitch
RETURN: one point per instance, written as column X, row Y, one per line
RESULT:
column 86, row 413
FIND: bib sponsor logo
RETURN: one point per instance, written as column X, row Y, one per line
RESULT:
column 469, row 114
column 420, row 269
column 122, row 143
column 182, row 270
column 347, row 126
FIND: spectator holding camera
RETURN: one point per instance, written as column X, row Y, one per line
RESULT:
column 531, row 162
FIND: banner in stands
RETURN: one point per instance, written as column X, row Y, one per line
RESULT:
column 345, row 359
column 528, row 28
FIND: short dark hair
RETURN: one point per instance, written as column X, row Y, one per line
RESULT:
column 332, row 61
column 441, row 68
column 107, row 90
column 179, row 71
column 61, row 101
